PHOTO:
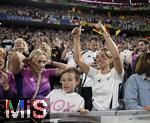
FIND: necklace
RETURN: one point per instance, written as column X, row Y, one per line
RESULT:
column 106, row 76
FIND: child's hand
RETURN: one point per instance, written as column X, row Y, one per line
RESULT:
column 83, row 111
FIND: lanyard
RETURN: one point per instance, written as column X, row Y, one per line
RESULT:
column 37, row 85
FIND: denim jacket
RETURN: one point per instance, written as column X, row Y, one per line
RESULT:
column 137, row 92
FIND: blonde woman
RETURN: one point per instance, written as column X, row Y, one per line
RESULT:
column 21, row 46
column 33, row 81
column 7, row 82
column 106, row 79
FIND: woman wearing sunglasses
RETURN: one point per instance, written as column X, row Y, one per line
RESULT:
column 33, row 81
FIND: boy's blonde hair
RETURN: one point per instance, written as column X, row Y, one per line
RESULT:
column 74, row 71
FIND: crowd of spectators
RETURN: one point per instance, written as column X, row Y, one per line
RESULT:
column 61, row 43
column 9, row 34
column 76, row 17
column 31, row 58
column 117, row 5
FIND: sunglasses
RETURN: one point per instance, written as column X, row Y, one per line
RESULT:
column 107, row 53
column 41, row 61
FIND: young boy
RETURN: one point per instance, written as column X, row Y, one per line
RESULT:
column 66, row 99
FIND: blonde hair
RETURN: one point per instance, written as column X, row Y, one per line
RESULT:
column 37, row 52
column 8, row 63
column 108, row 55
column 2, row 52
column 24, row 43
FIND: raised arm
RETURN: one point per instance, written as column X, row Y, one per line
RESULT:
column 77, row 53
column 60, row 66
column 16, row 62
column 113, row 49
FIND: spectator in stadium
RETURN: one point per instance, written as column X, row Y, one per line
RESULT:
column 33, row 81
column 126, row 53
column 72, row 101
column 21, row 46
column 36, row 43
column 134, row 57
column 55, row 52
column 42, row 42
column 143, row 47
column 106, row 80
column 68, row 55
column 8, row 60
column 7, row 81
column 126, row 56
column 46, row 48
column 89, row 57
column 137, row 87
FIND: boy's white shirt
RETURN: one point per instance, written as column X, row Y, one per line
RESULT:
column 60, row 101
column 105, row 87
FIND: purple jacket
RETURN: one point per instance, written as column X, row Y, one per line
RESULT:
column 134, row 60
column 11, row 93
column 29, row 83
